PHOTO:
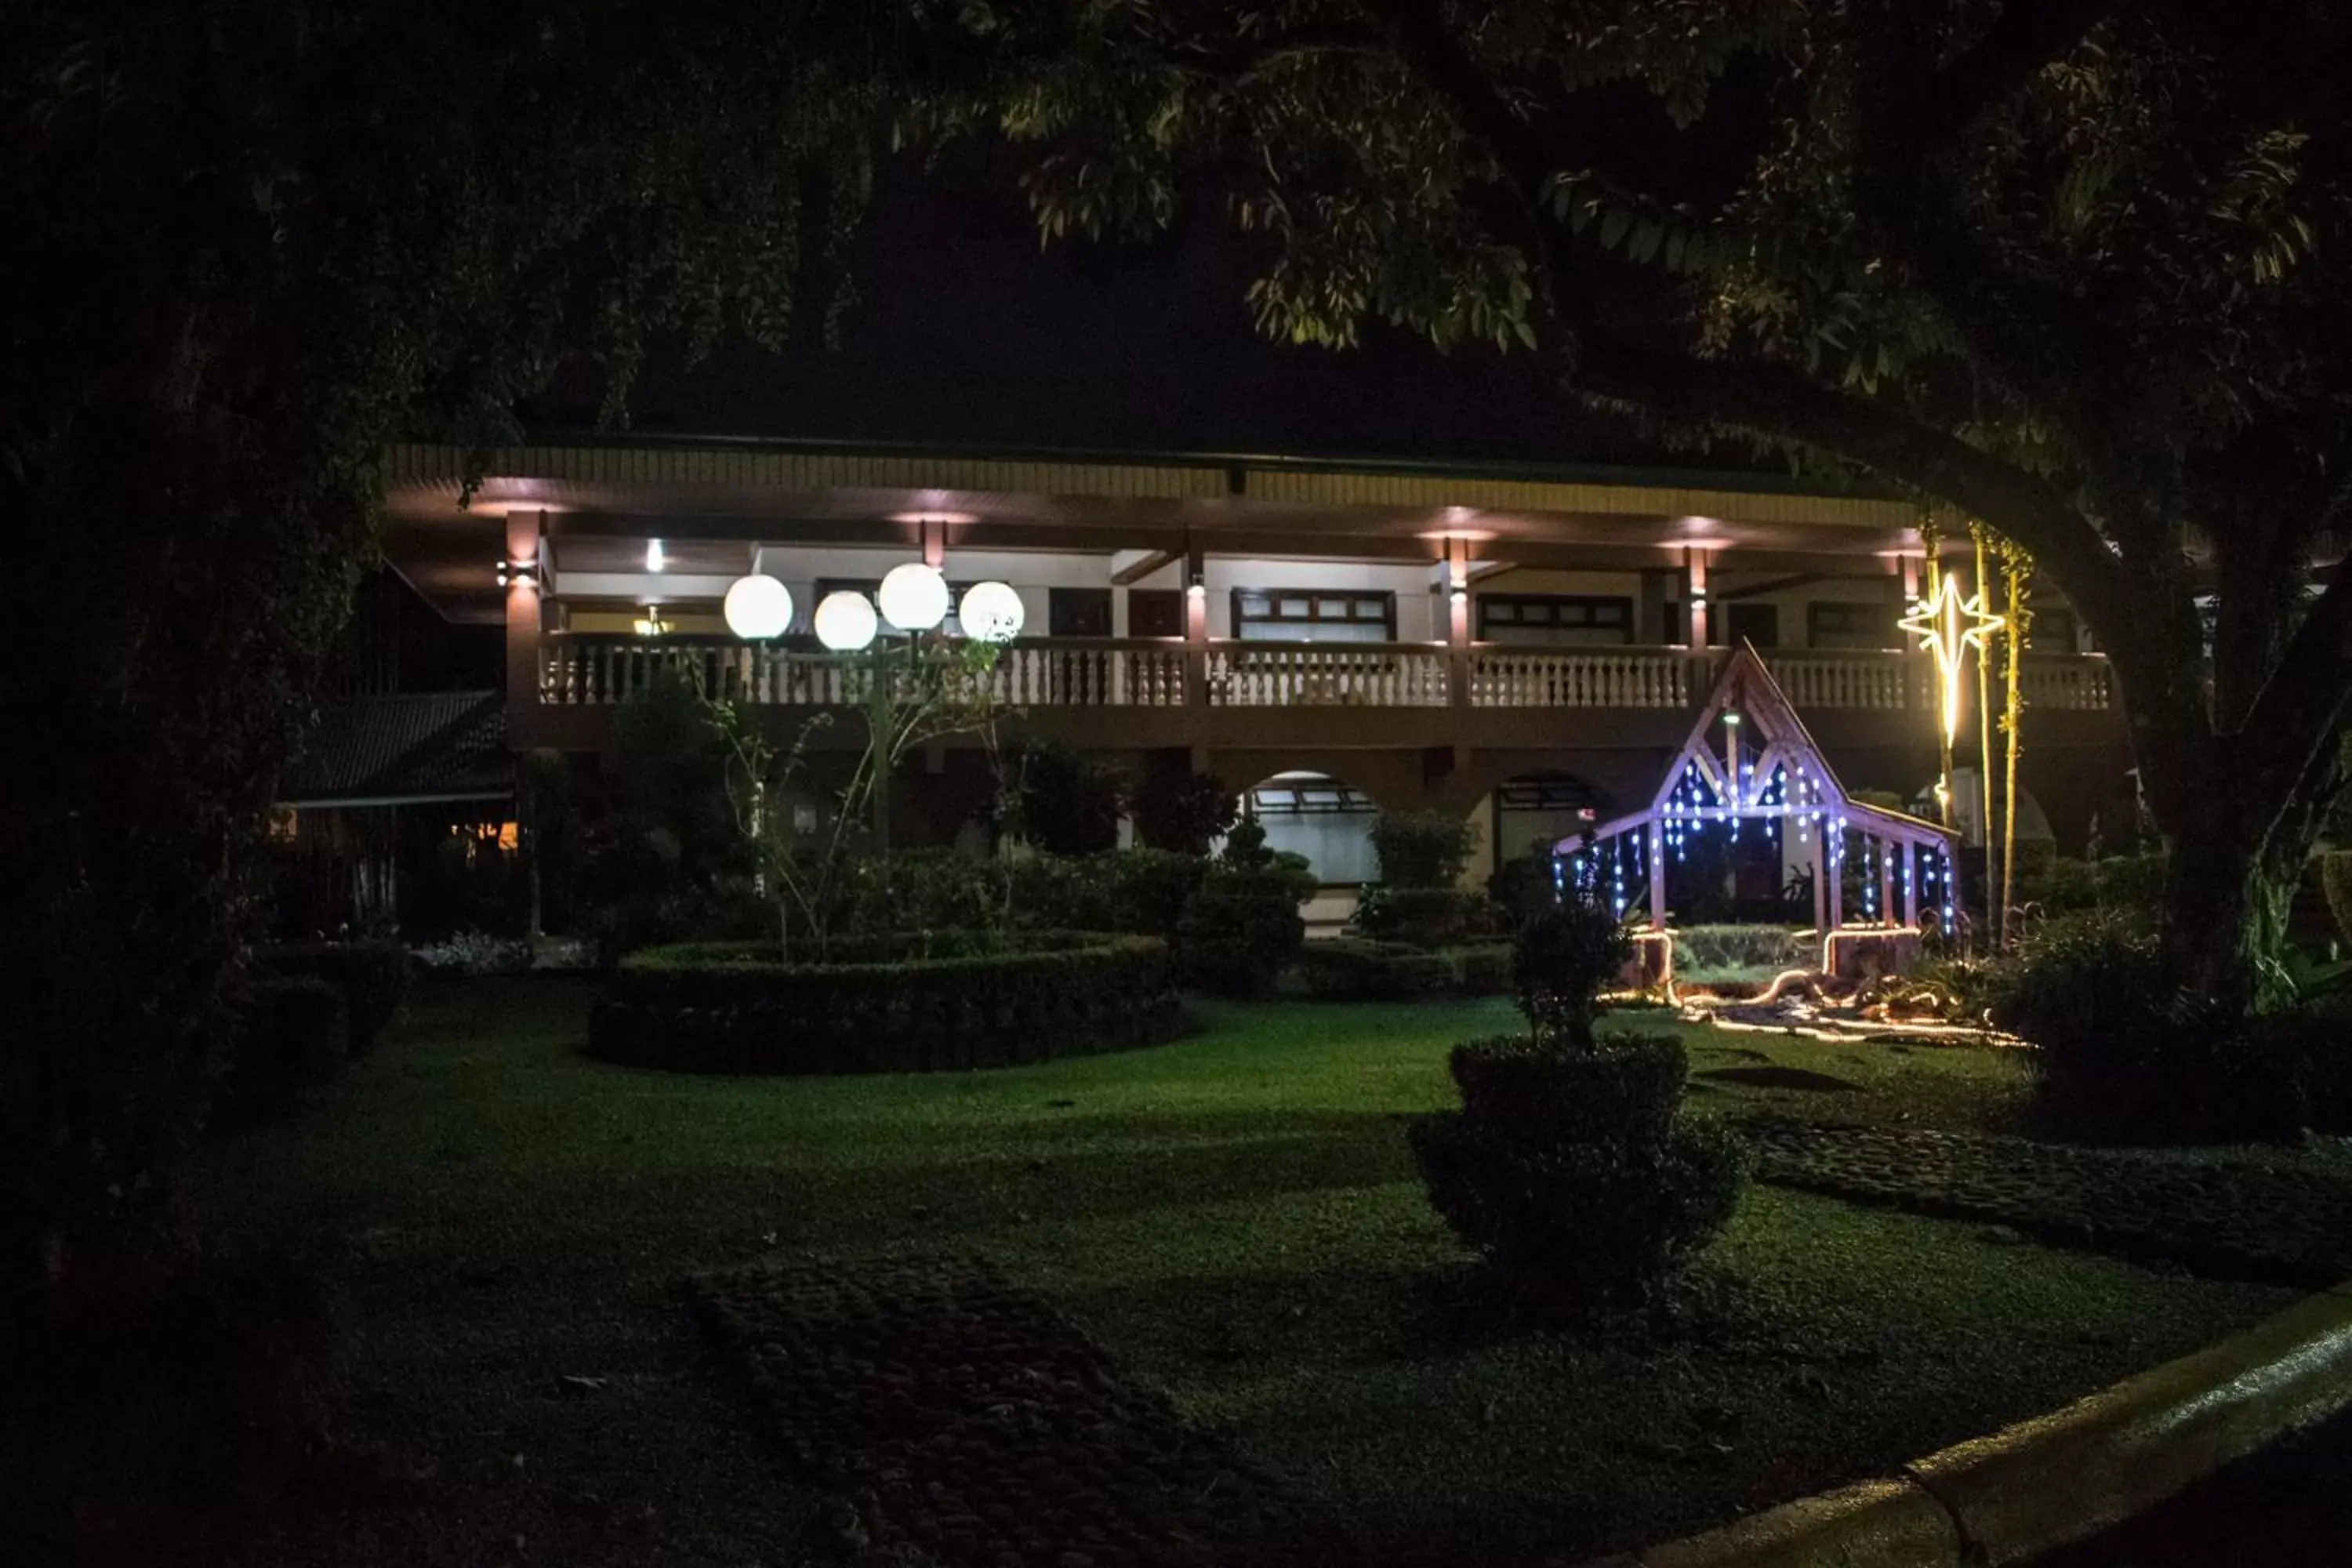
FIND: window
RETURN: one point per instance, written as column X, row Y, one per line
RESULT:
column 1843, row 625
column 1554, row 618
column 1155, row 612
column 1313, row 614
column 2052, row 630
column 1743, row 621
column 1077, row 612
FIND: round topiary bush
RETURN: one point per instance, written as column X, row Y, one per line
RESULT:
column 1569, row 1168
column 904, row 1003
column 373, row 977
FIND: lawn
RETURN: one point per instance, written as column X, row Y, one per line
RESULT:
column 1235, row 1215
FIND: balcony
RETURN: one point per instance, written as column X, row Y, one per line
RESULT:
column 1143, row 691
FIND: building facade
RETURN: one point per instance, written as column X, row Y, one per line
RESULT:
column 1516, row 646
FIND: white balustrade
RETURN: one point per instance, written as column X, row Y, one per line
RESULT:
column 590, row 670
column 1844, row 680
column 1585, row 678
column 1326, row 675
column 2080, row 681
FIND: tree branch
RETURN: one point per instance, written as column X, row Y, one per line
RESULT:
column 1771, row 400
column 1768, row 400
column 1909, row 131
column 2309, row 691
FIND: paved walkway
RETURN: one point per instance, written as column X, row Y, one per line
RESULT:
column 942, row 1409
column 2231, row 1217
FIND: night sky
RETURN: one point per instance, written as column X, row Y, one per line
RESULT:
column 967, row 333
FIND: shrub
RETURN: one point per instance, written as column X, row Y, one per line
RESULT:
column 475, row 952
column 1422, row 917
column 2336, row 877
column 1569, row 1170
column 1352, row 970
column 1150, row 888
column 923, row 1002
column 1183, row 813
column 1070, row 803
column 1067, row 892
column 2122, row 1056
column 1562, row 958
column 1704, row 952
column 1422, row 848
column 919, row 890
column 291, row 1032
column 1243, row 928
column 373, row 977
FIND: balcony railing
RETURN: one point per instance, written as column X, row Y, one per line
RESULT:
column 596, row 670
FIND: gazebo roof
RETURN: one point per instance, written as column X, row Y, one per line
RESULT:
column 1747, row 694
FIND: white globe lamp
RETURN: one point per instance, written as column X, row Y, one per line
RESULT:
column 914, row 596
column 758, row 607
column 845, row 621
column 991, row 612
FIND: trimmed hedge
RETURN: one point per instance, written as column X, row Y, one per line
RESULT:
column 1352, row 970
column 373, row 977
column 1569, row 1168
column 292, row 1031
column 938, row 1002
column 1424, row 917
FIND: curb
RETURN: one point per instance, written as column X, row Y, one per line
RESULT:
column 2057, row 1480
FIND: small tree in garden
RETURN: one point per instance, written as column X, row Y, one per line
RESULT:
column 1243, row 927
column 1064, row 801
column 1567, row 1165
column 927, row 691
column 1418, row 898
column 1184, row 812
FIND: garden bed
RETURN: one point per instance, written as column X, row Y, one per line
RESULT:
column 926, row 1001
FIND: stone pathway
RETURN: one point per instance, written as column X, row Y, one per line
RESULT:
column 949, row 1418
column 2230, row 1218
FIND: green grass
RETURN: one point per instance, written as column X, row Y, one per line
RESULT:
column 1235, row 1215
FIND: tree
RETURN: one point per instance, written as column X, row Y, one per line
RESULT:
column 250, row 245
column 1064, row 801
column 2073, row 267
column 908, row 695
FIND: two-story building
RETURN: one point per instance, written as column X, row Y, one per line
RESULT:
column 1332, row 636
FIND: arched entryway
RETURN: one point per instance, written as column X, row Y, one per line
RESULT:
column 1328, row 821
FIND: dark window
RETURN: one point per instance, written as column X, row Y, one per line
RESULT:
column 1313, row 614
column 2053, row 631
column 1554, row 618
column 1840, row 624
column 1740, row 622
column 1155, row 612
column 1077, row 612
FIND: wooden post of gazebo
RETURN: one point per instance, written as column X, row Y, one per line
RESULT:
column 1886, row 881
column 1910, row 884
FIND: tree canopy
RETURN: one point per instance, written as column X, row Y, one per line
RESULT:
column 2075, row 266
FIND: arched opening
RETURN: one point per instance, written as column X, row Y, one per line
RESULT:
column 1526, row 815
column 1328, row 821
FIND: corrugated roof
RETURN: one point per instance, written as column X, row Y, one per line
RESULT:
column 420, row 746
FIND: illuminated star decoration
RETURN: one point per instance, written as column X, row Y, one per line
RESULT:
column 1947, row 626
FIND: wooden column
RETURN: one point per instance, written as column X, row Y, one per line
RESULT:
column 525, row 533
column 1196, row 630
column 1886, row 881
column 1654, row 846
column 1695, row 595
column 1831, row 864
column 1910, row 885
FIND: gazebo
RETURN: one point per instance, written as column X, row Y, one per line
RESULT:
column 1750, row 765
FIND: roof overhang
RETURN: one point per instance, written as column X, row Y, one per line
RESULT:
column 446, row 541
